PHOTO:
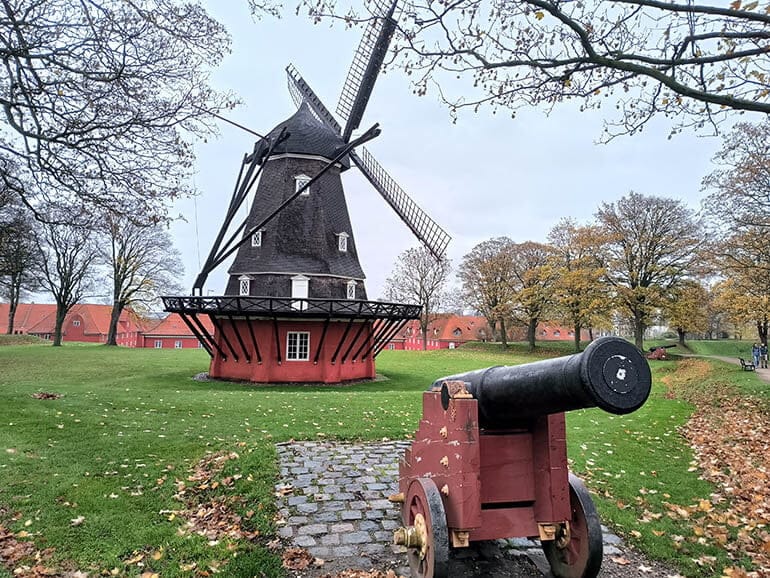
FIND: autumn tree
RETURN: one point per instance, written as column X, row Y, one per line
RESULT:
column 143, row 265
column 687, row 309
column 532, row 283
column 487, row 278
column 580, row 297
column 652, row 246
column 746, row 304
column 743, row 257
column 740, row 185
column 688, row 61
column 100, row 99
column 418, row 277
column 68, row 254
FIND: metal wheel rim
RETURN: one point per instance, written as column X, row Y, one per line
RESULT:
column 423, row 499
column 582, row 556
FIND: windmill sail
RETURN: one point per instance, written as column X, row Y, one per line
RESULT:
column 301, row 92
column 365, row 68
column 422, row 225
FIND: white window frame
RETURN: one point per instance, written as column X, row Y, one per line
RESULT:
column 351, row 289
column 244, row 285
column 342, row 242
column 300, row 287
column 76, row 323
column 256, row 239
column 178, row 344
column 158, row 344
column 299, row 182
column 298, row 346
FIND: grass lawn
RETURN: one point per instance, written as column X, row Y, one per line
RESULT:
column 94, row 474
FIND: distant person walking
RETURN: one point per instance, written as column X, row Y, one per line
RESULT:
column 755, row 354
column 763, row 355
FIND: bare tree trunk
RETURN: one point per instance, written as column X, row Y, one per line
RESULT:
column 577, row 330
column 590, row 333
column 639, row 333
column 532, row 332
column 61, row 313
column 112, row 334
column 681, row 333
column 11, row 318
column 13, row 301
column 762, row 330
column 503, row 336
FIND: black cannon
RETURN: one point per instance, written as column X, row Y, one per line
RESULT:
column 611, row 374
column 489, row 459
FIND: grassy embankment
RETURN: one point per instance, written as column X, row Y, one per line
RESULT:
column 131, row 424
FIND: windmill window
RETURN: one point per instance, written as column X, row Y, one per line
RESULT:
column 351, row 289
column 457, row 332
column 178, row 344
column 299, row 182
column 342, row 242
column 256, row 239
column 76, row 323
column 298, row 345
column 299, row 290
column 158, row 344
column 244, row 285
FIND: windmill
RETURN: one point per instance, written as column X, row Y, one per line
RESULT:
column 295, row 307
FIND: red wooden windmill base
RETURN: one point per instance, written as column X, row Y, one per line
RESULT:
column 280, row 340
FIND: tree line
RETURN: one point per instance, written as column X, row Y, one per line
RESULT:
column 643, row 260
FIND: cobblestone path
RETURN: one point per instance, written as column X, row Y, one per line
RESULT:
column 334, row 503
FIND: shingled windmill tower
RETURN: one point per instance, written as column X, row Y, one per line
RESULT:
column 295, row 308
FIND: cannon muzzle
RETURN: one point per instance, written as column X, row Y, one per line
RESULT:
column 611, row 374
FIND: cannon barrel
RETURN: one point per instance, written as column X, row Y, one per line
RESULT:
column 611, row 374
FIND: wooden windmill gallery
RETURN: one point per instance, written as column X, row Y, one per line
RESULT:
column 295, row 308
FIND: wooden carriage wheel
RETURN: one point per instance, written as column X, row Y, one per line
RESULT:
column 577, row 553
column 424, row 512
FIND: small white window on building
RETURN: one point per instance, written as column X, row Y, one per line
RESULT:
column 351, row 289
column 244, row 285
column 299, row 182
column 177, row 344
column 158, row 344
column 200, row 345
column 298, row 346
column 342, row 242
column 256, row 239
column 299, row 290
column 76, row 323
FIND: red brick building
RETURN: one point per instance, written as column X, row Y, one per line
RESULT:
column 90, row 323
column 451, row 331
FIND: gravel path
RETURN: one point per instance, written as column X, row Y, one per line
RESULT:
column 333, row 502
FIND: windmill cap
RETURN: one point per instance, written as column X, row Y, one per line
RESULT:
column 307, row 136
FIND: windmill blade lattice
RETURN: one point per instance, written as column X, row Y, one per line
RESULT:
column 422, row 225
column 365, row 68
column 300, row 91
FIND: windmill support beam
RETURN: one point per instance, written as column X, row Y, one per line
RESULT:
column 238, row 337
column 363, row 326
column 221, row 332
column 254, row 341
column 321, row 341
column 277, row 341
column 204, row 340
column 342, row 339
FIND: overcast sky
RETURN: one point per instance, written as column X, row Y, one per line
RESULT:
column 485, row 176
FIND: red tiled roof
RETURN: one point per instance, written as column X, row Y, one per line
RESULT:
column 40, row 318
column 447, row 327
column 172, row 325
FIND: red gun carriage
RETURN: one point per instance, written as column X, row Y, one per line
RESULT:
column 489, row 459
